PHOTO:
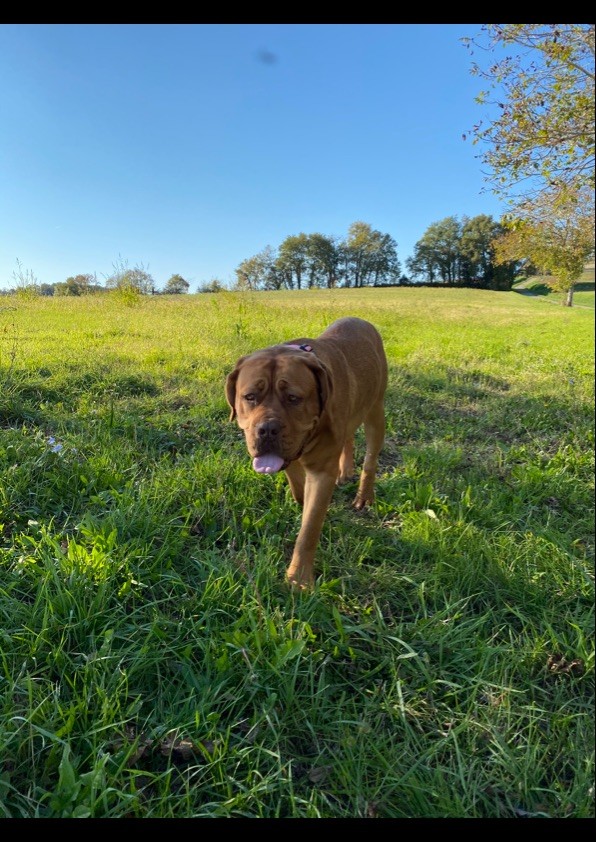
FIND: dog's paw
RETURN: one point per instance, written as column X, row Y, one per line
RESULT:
column 300, row 580
column 362, row 501
column 345, row 478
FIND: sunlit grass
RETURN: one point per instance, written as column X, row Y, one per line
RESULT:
column 152, row 662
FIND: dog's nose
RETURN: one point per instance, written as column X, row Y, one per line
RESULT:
column 268, row 430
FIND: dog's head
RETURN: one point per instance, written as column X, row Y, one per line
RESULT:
column 277, row 396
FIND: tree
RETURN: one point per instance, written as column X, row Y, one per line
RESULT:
column 370, row 256
column 292, row 260
column 440, row 245
column 214, row 285
column 84, row 283
column 137, row 279
column 176, row 285
column 322, row 261
column 385, row 265
column 258, row 272
column 423, row 264
column 541, row 144
column 477, row 262
column 76, row 285
column 63, row 288
column 358, row 246
column 543, row 135
column 557, row 236
column 462, row 253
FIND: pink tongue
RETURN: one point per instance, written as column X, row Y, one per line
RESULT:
column 269, row 464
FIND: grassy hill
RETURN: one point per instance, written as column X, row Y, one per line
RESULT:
column 154, row 664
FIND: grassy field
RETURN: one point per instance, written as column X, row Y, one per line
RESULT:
column 153, row 663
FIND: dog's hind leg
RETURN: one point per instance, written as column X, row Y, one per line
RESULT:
column 374, row 432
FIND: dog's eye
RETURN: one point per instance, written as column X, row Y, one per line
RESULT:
column 293, row 399
column 251, row 398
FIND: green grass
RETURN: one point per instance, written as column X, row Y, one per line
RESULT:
column 152, row 661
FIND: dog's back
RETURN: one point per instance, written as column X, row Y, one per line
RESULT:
column 364, row 360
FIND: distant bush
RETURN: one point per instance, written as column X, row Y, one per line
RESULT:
column 130, row 296
column 211, row 286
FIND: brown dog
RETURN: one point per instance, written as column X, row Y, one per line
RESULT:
column 299, row 405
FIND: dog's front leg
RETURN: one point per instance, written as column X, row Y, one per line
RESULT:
column 318, row 490
column 296, row 480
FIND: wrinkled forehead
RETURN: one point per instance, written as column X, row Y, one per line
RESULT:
column 266, row 370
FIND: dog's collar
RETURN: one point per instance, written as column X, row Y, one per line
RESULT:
column 301, row 347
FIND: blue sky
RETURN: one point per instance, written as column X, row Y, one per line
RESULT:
column 189, row 147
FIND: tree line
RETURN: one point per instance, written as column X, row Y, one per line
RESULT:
column 463, row 253
column 136, row 281
column 450, row 252
column 303, row 261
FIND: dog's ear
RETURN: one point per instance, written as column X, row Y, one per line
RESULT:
column 323, row 378
column 231, row 389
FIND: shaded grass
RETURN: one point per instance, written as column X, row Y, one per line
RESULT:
column 153, row 663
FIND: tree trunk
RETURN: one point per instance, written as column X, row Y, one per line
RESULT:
column 568, row 302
